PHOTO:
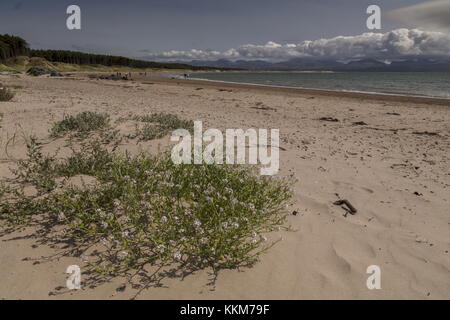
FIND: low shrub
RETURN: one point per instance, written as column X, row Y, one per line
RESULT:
column 6, row 94
column 158, row 125
column 80, row 124
column 146, row 210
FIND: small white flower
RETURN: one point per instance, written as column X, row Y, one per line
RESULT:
column 197, row 223
column 203, row 240
column 177, row 255
column 122, row 255
column 126, row 234
column 61, row 216
column 164, row 219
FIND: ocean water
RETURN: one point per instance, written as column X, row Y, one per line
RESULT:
column 432, row 84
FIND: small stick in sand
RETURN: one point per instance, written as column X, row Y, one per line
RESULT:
column 351, row 209
column 330, row 119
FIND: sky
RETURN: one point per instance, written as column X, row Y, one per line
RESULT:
column 209, row 29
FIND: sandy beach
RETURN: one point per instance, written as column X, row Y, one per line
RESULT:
column 388, row 155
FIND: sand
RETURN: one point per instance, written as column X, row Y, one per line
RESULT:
column 395, row 170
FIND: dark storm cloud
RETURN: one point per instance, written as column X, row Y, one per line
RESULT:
column 434, row 14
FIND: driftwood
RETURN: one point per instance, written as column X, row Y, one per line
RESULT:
column 427, row 133
column 264, row 108
column 350, row 209
column 330, row 119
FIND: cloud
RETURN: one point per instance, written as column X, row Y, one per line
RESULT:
column 432, row 15
column 390, row 45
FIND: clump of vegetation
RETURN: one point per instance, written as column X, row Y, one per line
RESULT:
column 42, row 170
column 6, row 94
column 80, row 124
column 148, row 211
column 37, row 169
column 158, row 125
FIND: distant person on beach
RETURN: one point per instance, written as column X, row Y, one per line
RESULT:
column 186, row 76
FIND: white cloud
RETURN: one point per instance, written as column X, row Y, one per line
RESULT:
column 388, row 45
column 432, row 15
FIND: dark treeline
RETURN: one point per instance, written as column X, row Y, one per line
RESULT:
column 74, row 57
column 11, row 47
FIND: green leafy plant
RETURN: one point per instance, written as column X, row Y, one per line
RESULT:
column 80, row 124
column 158, row 125
column 148, row 211
column 37, row 169
column 142, row 211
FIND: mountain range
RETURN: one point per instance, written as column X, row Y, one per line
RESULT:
column 406, row 64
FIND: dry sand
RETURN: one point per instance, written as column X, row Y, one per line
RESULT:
column 398, row 180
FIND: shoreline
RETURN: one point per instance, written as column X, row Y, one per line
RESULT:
column 301, row 91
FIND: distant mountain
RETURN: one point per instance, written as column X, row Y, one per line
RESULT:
column 405, row 64
column 421, row 64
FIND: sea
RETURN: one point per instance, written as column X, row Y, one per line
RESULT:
column 430, row 84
